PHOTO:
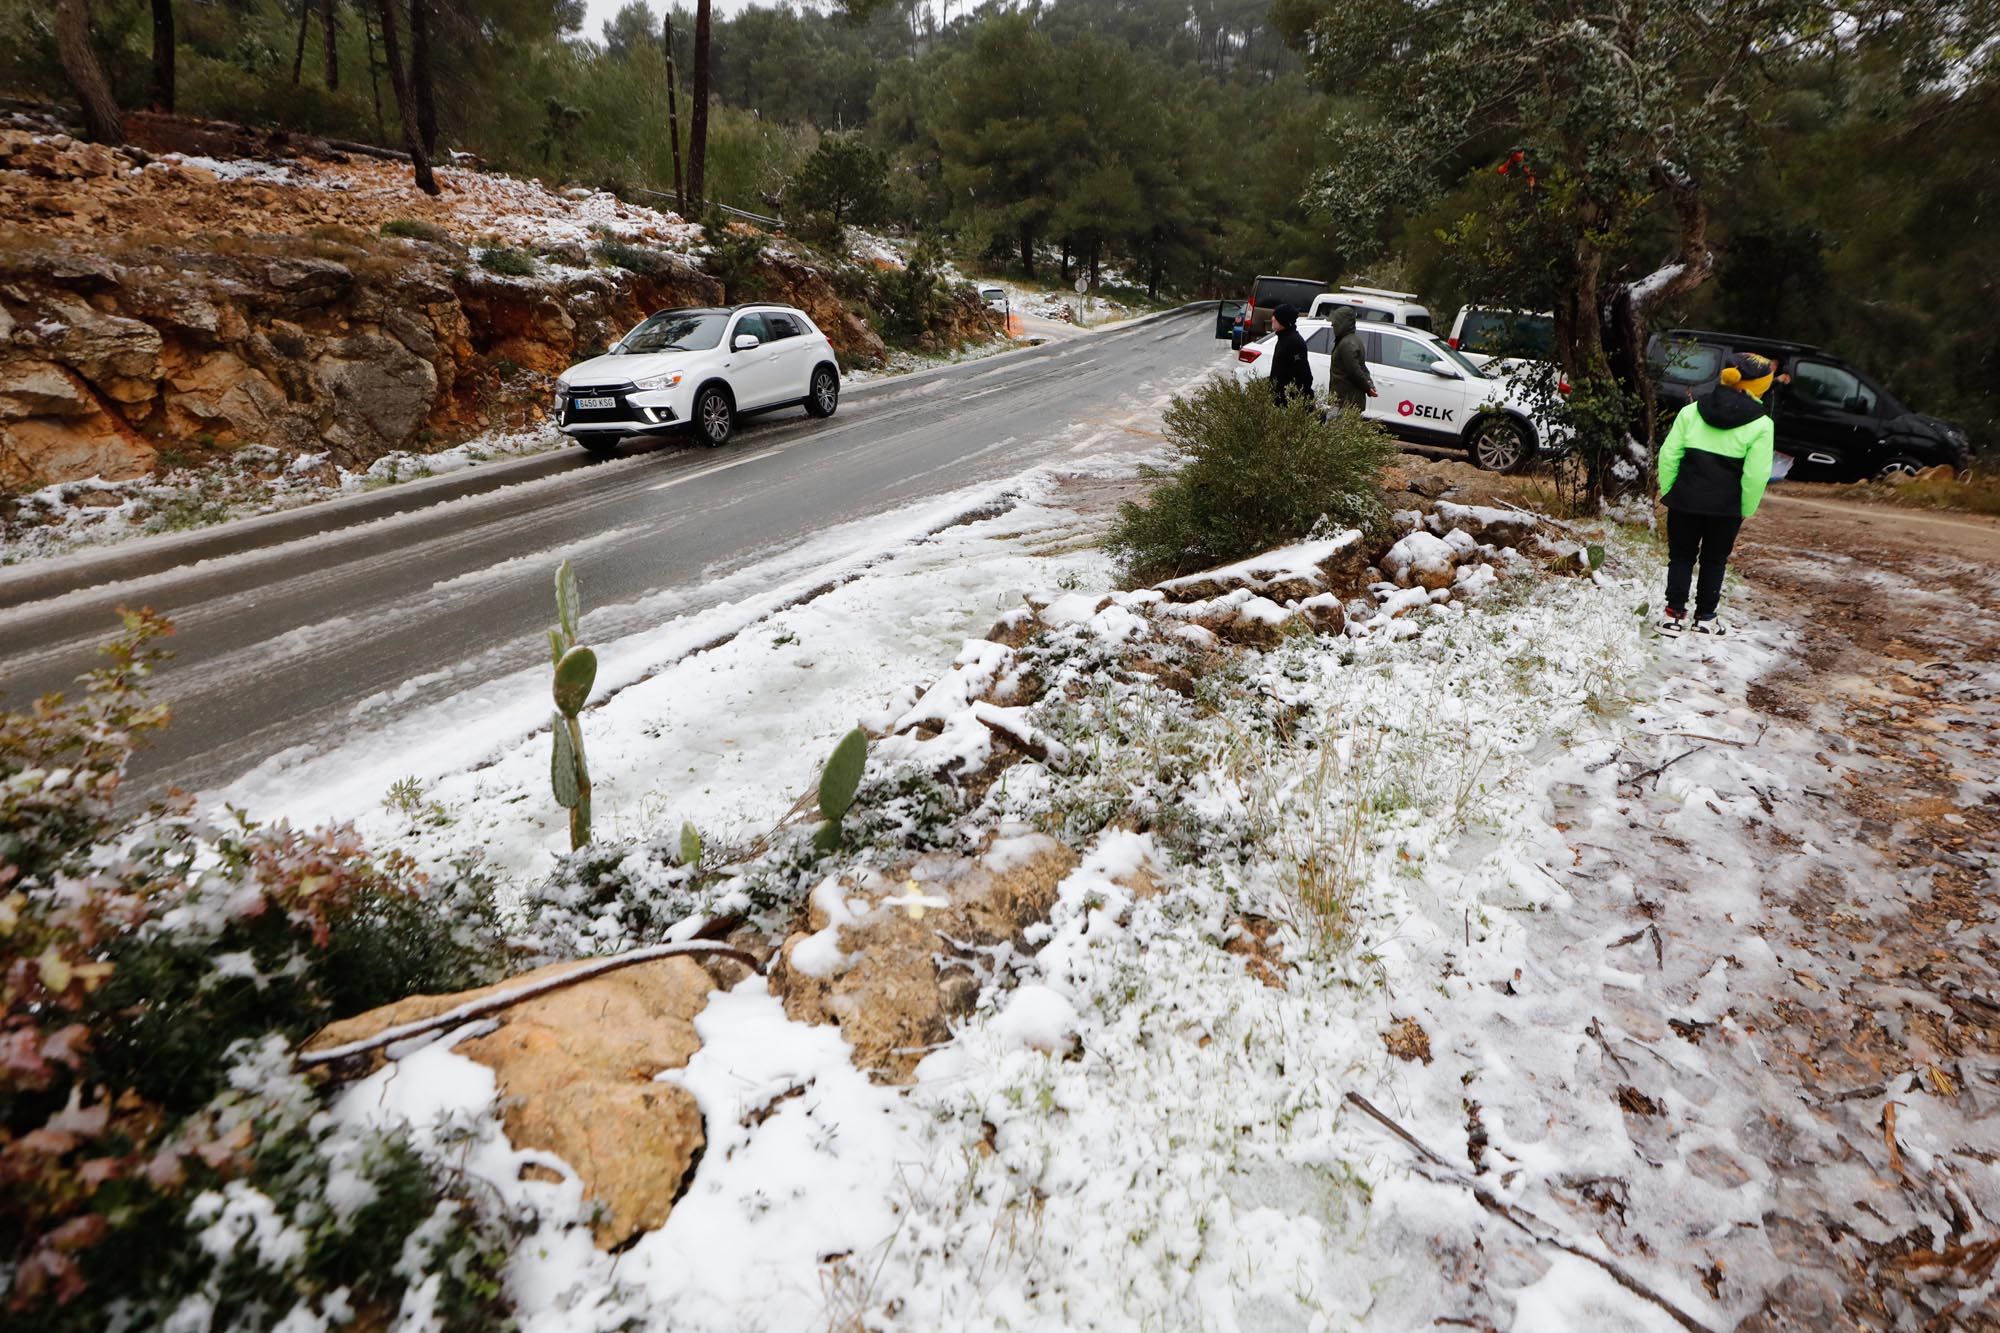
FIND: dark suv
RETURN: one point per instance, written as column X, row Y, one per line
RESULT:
column 1834, row 422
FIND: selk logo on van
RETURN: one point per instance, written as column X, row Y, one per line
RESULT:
column 1410, row 409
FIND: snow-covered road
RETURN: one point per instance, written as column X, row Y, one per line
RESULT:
column 295, row 649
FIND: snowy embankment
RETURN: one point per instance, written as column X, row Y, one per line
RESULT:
column 1321, row 854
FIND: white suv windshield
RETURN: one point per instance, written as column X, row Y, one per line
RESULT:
column 674, row 331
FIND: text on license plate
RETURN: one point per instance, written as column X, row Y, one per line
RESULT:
column 592, row 404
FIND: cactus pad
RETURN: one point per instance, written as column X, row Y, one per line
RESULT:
column 563, row 766
column 575, row 674
column 842, row 775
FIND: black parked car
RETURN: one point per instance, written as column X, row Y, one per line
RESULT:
column 1834, row 422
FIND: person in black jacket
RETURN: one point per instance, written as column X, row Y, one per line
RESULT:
column 1290, row 372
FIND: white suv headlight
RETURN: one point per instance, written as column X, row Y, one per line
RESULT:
column 666, row 381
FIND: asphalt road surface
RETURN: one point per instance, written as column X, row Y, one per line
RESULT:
column 276, row 647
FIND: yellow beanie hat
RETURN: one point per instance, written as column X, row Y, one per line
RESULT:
column 1749, row 372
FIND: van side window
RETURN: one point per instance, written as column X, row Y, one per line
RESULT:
column 781, row 326
column 1321, row 342
column 1818, row 387
column 1372, row 342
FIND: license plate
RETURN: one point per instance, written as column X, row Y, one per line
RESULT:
column 592, row 404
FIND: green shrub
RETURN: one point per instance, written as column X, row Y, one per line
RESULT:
column 634, row 258
column 1253, row 475
column 512, row 263
column 735, row 258
column 914, row 299
column 415, row 230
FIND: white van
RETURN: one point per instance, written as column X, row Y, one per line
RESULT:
column 1374, row 306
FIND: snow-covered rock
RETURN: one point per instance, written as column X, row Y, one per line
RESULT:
column 1420, row 560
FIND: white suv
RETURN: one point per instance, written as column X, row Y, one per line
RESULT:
column 699, row 369
column 1428, row 393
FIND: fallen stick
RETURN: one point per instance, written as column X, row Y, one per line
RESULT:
column 479, row 1008
column 1533, row 1227
column 1654, row 773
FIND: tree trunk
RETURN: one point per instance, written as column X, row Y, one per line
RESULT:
column 1627, row 314
column 1027, row 234
column 85, row 75
column 674, row 115
column 697, row 186
column 299, row 53
column 421, row 79
column 332, row 39
column 399, row 80
column 163, row 55
column 1065, row 261
column 374, row 68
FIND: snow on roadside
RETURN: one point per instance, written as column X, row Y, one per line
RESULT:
column 1132, row 1129
column 719, row 716
column 252, row 480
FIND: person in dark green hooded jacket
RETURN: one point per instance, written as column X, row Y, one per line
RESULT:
column 1347, row 379
column 1714, row 465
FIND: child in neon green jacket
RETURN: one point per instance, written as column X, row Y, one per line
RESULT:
column 1714, row 465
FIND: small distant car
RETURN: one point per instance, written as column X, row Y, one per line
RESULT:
column 1373, row 305
column 1428, row 393
column 996, row 300
column 699, row 369
column 1834, row 423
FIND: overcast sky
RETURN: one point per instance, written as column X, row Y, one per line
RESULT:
column 600, row 10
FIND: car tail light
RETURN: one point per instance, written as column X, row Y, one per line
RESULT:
column 1248, row 354
column 1453, row 342
column 1562, row 386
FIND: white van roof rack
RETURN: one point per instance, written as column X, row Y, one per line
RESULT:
column 1378, row 291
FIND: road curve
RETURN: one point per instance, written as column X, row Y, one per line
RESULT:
column 282, row 647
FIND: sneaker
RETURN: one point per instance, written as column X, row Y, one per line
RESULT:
column 1710, row 626
column 1673, row 622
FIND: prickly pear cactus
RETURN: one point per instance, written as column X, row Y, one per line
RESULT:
column 838, row 782
column 575, row 674
column 690, row 845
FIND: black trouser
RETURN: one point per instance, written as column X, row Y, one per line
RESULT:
column 1704, row 537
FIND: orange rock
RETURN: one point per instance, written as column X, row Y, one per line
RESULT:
column 576, row 1069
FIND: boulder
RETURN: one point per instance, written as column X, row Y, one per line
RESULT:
column 40, row 450
column 576, row 1073
column 890, row 961
column 378, row 394
column 1486, row 525
column 301, row 283
column 222, row 396
column 31, row 387
column 1420, row 560
column 120, row 356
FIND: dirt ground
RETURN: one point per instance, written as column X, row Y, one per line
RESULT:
column 1900, row 615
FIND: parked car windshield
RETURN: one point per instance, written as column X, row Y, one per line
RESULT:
column 675, row 331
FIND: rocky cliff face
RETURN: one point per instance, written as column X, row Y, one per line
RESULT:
column 144, row 307
column 305, row 345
